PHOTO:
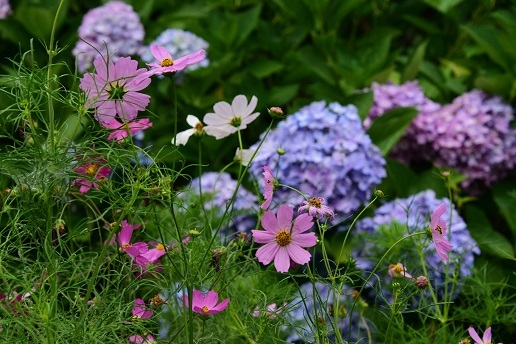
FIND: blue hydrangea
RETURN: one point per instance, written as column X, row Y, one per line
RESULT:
column 5, row 9
column 114, row 25
column 412, row 214
column 302, row 329
column 178, row 43
column 217, row 189
column 327, row 154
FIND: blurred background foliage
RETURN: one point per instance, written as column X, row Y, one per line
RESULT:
column 291, row 52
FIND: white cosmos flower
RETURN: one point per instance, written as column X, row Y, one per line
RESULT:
column 197, row 129
column 244, row 155
column 228, row 119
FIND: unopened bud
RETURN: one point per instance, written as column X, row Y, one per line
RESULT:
column 342, row 312
column 276, row 112
column 194, row 233
column 280, row 151
column 422, row 282
column 379, row 193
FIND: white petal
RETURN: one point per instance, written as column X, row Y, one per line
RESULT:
column 192, row 120
column 219, row 132
column 223, row 109
column 239, row 105
column 215, row 119
column 251, row 106
column 244, row 155
column 182, row 137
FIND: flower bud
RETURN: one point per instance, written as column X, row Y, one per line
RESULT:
column 276, row 112
column 280, row 151
column 422, row 282
column 379, row 193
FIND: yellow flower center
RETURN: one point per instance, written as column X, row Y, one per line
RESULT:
column 439, row 229
column 167, row 62
column 205, row 309
column 160, row 247
column 283, row 238
column 398, row 269
column 91, row 169
column 314, row 202
column 126, row 245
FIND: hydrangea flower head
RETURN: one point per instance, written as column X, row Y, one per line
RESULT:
column 326, row 153
column 114, row 25
column 284, row 240
column 177, row 43
column 166, row 64
column 438, row 230
column 114, row 89
column 5, row 9
column 410, row 215
column 206, row 304
column 228, row 119
column 122, row 130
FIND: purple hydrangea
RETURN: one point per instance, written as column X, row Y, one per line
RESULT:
column 327, row 154
column 5, row 9
column 178, row 43
column 114, row 26
column 303, row 330
column 412, row 214
column 473, row 136
column 388, row 97
column 218, row 189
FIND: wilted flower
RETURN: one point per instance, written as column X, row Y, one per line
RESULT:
column 94, row 170
column 438, row 229
column 197, row 129
column 284, row 240
column 122, row 130
column 327, row 153
column 5, row 9
column 113, row 89
column 114, row 26
column 228, row 119
column 206, row 304
column 398, row 270
column 166, row 64
column 316, row 208
column 269, row 187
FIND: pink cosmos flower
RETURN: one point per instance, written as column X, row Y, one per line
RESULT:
column 398, row 270
column 122, row 130
column 197, row 129
column 95, row 170
column 438, row 229
column 206, row 305
column 283, row 239
column 268, row 188
column 113, row 90
column 135, row 338
column 271, row 312
column 150, row 256
column 124, row 240
column 316, row 208
column 486, row 338
column 140, row 311
column 166, row 64
column 228, row 119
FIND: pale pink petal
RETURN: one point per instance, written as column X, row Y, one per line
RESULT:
column 267, row 253
column 285, row 213
column 248, row 119
column 268, row 200
column 252, row 105
column 189, row 59
column 487, row 335
column 224, row 110
column 263, row 237
column 303, row 222
column 182, row 137
column 282, row 260
column 475, row 336
column 219, row 132
column 438, row 212
column 239, row 105
column 192, row 120
column 159, row 52
column 304, row 240
column 269, row 222
column 297, row 254
column 113, row 124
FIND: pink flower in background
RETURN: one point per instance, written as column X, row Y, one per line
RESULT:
column 486, row 338
column 283, row 239
column 228, row 119
column 271, row 312
column 197, row 129
column 124, row 240
column 398, row 270
column 95, row 171
column 122, row 130
column 268, row 188
column 166, row 64
column 206, row 304
column 438, row 229
column 150, row 256
column 140, row 311
column 135, row 338
column 113, row 90
column 316, row 208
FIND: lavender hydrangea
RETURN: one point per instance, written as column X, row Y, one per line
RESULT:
column 114, row 26
column 218, row 189
column 178, row 43
column 393, row 220
column 304, row 309
column 473, row 135
column 5, row 9
column 327, row 154
column 388, row 97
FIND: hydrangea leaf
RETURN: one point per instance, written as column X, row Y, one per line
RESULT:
column 504, row 194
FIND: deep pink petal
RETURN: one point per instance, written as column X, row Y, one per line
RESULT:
column 297, row 254
column 211, row 299
column 282, row 260
column 220, row 307
column 285, row 213
column 267, row 253
column 197, row 299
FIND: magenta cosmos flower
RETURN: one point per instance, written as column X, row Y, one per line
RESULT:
column 228, row 119
column 486, row 338
column 95, row 171
column 316, row 208
column 113, row 89
column 268, row 177
column 284, row 240
column 124, row 240
column 438, row 229
column 398, row 270
column 166, row 64
column 135, row 338
column 122, row 130
column 140, row 311
column 206, row 304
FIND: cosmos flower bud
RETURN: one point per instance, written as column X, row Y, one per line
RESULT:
column 422, row 282
column 276, row 112
column 280, row 151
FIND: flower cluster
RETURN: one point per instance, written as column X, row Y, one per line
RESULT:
column 5, row 9
column 178, row 43
column 411, row 215
column 114, row 26
column 217, row 190
column 326, row 154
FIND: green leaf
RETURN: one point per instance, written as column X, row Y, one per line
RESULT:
column 363, row 102
column 412, row 69
column 488, row 240
column 504, row 194
column 443, row 5
column 390, row 127
column 280, row 95
column 264, row 68
column 313, row 60
column 247, row 22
